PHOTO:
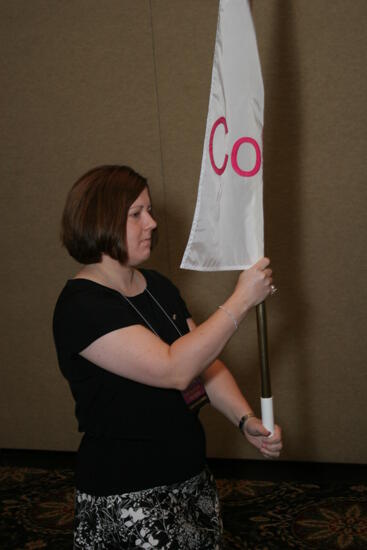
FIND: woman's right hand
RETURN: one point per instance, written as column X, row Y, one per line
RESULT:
column 254, row 284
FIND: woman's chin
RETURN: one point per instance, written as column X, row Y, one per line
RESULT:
column 137, row 260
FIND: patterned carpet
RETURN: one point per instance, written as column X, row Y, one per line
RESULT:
column 36, row 511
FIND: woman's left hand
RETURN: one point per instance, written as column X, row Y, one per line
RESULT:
column 258, row 436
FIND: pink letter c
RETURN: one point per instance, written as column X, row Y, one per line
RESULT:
column 236, row 168
column 217, row 170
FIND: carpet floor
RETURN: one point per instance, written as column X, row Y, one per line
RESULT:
column 36, row 512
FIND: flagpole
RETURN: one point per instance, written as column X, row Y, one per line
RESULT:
column 267, row 413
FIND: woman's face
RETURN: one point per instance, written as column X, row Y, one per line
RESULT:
column 139, row 229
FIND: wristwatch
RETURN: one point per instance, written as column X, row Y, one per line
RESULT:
column 243, row 420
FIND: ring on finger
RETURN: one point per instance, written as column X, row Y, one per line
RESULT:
column 273, row 290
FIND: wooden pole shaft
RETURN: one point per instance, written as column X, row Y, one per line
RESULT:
column 263, row 350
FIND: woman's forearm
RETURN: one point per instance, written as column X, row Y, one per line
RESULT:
column 195, row 351
column 227, row 398
column 224, row 393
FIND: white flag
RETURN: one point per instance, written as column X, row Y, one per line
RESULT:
column 228, row 230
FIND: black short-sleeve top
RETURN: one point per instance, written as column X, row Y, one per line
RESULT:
column 136, row 436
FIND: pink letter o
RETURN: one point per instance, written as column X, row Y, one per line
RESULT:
column 236, row 146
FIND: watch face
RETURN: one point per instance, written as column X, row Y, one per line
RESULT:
column 243, row 420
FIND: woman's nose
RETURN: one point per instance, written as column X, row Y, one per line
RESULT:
column 150, row 221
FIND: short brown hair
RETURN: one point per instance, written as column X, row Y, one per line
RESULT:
column 95, row 213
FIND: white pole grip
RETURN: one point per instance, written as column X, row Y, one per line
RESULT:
column 267, row 413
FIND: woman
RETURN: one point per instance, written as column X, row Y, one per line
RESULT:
column 129, row 349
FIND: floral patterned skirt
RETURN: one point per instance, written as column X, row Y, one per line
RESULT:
column 182, row 516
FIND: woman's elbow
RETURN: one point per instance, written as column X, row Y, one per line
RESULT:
column 177, row 381
column 178, row 374
column 182, row 383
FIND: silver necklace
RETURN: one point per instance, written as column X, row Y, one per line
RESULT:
column 195, row 395
column 160, row 307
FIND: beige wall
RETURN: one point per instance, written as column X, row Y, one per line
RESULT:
column 127, row 81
